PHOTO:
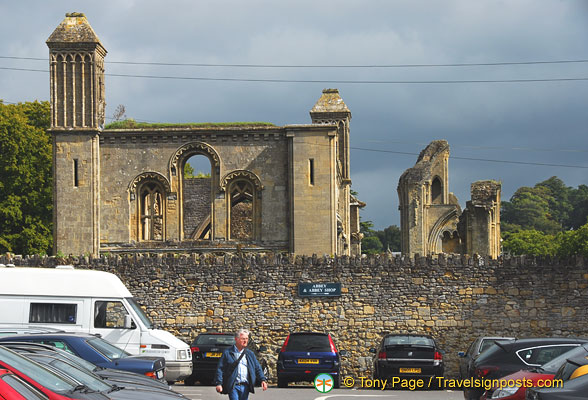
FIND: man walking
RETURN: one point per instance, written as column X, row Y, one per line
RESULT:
column 238, row 370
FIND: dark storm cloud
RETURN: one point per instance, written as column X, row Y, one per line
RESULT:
column 530, row 122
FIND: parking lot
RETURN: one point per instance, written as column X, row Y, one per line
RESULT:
column 309, row 393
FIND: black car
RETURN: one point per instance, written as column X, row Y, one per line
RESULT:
column 304, row 355
column 573, row 389
column 408, row 356
column 480, row 344
column 207, row 349
column 507, row 357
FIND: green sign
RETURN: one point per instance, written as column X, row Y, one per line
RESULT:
column 319, row 289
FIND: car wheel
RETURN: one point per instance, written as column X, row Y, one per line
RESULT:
column 282, row 383
column 337, row 382
column 189, row 381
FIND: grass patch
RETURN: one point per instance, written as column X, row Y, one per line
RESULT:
column 132, row 124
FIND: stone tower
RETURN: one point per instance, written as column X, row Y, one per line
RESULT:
column 479, row 225
column 330, row 109
column 77, row 117
column 428, row 211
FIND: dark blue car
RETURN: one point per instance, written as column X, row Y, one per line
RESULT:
column 97, row 351
column 304, row 355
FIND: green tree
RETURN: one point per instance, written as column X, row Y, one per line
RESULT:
column 370, row 244
column 529, row 209
column 390, row 238
column 529, row 242
column 570, row 243
column 25, row 178
column 578, row 216
column 558, row 199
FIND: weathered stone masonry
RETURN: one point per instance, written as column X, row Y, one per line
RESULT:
column 453, row 298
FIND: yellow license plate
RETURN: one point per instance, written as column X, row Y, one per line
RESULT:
column 410, row 370
column 308, row 361
column 209, row 354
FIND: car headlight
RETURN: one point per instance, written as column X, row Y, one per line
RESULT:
column 182, row 355
column 504, row 392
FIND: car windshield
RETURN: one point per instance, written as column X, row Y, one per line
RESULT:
column 306, row 342
column 108, row 350
column 215, row 340
column 83, row 377
column 486, row 344
column 408, row 340
column 140, row 313
column 36, row 371
column 553, row 365
column 566, row 370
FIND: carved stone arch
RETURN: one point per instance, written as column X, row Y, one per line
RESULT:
column 241, row 174
column 190, row 149
column 449, row 219
column 151, row 175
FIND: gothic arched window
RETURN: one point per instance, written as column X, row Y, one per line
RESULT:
column 242, row 211
column 151, row 211
column 436, row 191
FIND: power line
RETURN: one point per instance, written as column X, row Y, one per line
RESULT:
column 486, row 147
column 477, row 159
column 484, row 64
column 424, row 82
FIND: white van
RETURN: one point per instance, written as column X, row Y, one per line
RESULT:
column 88, row 301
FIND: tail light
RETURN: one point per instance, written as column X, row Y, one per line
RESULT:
column 195, row 349
column 382, row 355
column 151, row 374
column 285, row 344
column 484, row 371
column 333, row 348
column 438, row 356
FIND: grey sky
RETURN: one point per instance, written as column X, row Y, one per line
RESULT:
column 540, row 122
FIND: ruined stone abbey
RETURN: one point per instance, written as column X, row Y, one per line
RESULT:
column 269, row 188
column 280, row 188
column 431, row 220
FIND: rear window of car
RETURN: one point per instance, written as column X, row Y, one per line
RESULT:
column 307, row 342
column 402, row 340
column 215, row 340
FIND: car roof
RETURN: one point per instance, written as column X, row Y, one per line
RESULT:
column 25, row 336
column 516, row 344
column 408, row 334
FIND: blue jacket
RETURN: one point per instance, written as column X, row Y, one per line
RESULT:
column 227, row 361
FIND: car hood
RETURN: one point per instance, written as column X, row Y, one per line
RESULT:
column 143, row 393
column 120, row 377
column 169, row 339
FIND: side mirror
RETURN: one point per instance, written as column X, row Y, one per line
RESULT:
column 461, row 354
column 129, row 322
column 343, row 353
column 372, row 350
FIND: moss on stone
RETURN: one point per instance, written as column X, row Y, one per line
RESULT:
column 132, row 124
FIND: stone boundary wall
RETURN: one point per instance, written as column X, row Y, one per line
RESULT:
column 453, row 298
